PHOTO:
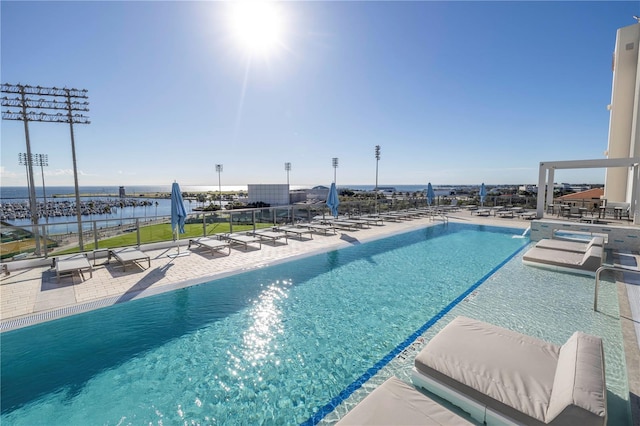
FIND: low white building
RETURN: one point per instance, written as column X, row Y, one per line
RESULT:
column 272, row 194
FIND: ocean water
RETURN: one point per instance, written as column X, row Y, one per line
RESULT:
column 17, row 193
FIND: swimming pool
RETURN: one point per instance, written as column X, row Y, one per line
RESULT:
column 270, row 346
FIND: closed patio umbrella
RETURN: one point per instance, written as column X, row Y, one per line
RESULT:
column 431, row 195
column 178, row 214
column 483, row 194
column 332, row 200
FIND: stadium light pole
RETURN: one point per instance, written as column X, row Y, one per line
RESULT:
column 43, row 160
column 219, row 170
column 47, row 104
column 377, row 152
column 27, row 160
column 287, row 168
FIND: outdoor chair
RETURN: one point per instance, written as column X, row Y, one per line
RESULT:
column 500, row 376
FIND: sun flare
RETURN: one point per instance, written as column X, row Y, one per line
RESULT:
column 257, row 26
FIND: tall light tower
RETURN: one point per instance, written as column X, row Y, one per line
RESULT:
column 334, row 163
column 43, row 160
column 26, row 159
column 51, row 104
column 287, row 168
column 377, row 151
column 219, row 170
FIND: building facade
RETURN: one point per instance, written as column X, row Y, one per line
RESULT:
column 272, row 194
column 624, row 120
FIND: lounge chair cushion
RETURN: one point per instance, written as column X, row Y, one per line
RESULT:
column 520, row 377
column 579, row 392
column 574, row 246
column 492, row 364
column 590, row 261
column 396, row 403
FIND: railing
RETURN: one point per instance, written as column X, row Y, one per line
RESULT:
column 62, row 237
column 603, row 268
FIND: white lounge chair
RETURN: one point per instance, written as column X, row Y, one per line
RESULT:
column 295, row 230
column 243, row 239
column 212, row 244
column 586, row 263
column 320, row 227
column 503, row 377
column 71, row 264
column 269, row 235
column 574, row 246
column 129, row 255
column 396, row 403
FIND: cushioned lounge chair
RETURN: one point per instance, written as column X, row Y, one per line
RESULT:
column 129, row 255
column 498, row 375
column 574, row 246
column 580, row 263
column 212, row 244
column 396, row 403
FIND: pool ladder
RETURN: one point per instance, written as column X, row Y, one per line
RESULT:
column 608, row 268
column 441, row 216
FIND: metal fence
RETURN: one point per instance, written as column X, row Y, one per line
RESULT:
column 62, row 238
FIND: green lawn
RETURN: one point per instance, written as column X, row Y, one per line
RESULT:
column 162, row 232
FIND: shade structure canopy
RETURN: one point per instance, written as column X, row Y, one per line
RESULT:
column 431, row 195
column 332, row 200
column 482, row 193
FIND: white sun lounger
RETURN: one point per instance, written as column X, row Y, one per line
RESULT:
column 574, row 246
column 212, row 244
column 295, row 230
column 319, row 227
column 71, row 264
column 269, row 235
column 566, row 261
column 503, row 377
column 392, row 217
column 359, row 223
column 371, row 219
column 396, row 403
column 129, row 255
column 343, row 224
column 244, row 240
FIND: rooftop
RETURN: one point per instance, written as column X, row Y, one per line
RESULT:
column 33, row 295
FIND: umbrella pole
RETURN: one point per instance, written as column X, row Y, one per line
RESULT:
column 177, row 238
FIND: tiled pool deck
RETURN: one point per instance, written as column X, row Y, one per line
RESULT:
column 33, row 295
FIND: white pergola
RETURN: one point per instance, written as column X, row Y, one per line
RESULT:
column 547, row 170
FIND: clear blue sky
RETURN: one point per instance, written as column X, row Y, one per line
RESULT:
column 453, row 92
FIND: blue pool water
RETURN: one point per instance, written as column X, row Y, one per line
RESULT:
column 270, row 346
